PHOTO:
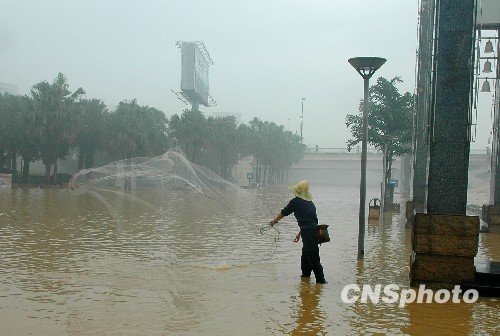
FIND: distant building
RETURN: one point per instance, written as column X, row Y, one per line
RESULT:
column 8, row 88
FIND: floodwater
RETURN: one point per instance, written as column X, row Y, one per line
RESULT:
column 185, row 265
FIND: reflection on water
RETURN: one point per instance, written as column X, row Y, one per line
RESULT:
column 309, row 316
column 183, row 264
column 423, row 321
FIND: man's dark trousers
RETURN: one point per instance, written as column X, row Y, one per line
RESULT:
column 310, row 254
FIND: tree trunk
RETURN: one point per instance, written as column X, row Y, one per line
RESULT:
column 221, row 163
column 88, row 160
column 14, row 164
column 26, row 171
column 8, row 166
column 48, row 168
column 2, row 160
column 264, row 176
column 88, row 163
column 257, row 170
column 81, row 156
column 194, row 154
column 128, row 180
column 54, row 178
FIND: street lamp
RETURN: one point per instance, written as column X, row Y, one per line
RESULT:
column 366, row 67
column 302, row 121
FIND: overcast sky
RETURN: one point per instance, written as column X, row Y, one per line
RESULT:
column 267, row 54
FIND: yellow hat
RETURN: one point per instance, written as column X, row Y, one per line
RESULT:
column 301, row 190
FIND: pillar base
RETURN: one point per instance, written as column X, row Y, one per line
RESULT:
column 444, row 247
column 491, row 214
column 411, row 208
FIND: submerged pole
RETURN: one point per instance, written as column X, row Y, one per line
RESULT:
column 366, row 67
column 362, row 187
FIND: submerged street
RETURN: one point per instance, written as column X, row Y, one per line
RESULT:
column 66, row 270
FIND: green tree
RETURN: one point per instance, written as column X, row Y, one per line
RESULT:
column 10, row 106
column 91, row 130
column 274, row 149
column 190, row 129
column 218, row 143
column 136, row 130
column 30, row 135
column 390, row 121
column 220, row 150
column 19, row 133
column 56, row 113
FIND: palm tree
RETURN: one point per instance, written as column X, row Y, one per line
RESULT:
column 10, row 106
column 90, row 132
column 136, row 131
column 56, row 114
column 30, row 135
column 190, row 130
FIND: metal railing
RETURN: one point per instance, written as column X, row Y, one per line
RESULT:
column 339, row 150
column 357, row 151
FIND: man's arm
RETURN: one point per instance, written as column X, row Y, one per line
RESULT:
column 276, row 219
column 283, row 213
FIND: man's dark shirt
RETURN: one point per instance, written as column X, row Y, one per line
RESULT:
column 304, row 211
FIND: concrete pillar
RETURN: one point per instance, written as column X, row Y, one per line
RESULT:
column 422, row 103
column 445, row 240
column 450, row 127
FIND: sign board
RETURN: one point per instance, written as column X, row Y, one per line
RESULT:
column 5, row 181
column 250, row 176
column 488, row 14
column 194, row 73
column 394, row 183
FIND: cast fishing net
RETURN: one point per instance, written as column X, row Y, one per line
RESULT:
column 198, row 216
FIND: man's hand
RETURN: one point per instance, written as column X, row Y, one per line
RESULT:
column 297, row 238
column 276, row 220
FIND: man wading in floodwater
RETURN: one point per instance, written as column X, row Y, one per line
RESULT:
column 305, row 212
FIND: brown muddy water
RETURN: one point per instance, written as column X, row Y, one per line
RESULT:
column 181, row 264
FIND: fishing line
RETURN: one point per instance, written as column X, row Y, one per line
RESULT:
column 170, row 171
column 262, row 231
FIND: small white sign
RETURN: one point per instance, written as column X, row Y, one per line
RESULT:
column 5, row 181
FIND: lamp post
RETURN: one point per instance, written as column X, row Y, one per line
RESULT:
column 366, row 67
column 302, row 121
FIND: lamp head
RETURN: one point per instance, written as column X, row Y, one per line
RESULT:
column 366, row 66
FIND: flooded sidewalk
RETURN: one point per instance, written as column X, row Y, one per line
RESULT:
column 68, row 270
